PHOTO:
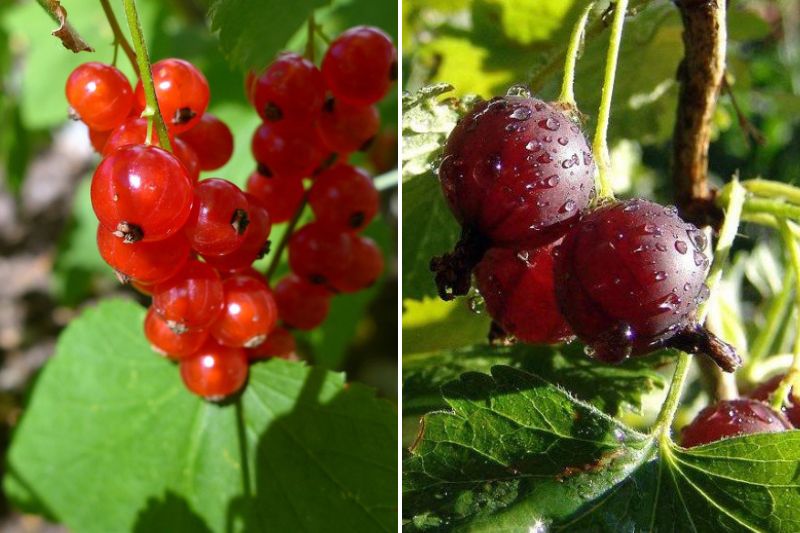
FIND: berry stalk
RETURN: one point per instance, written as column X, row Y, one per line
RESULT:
column 276, row 258
column 151, row 111
column 119, row 37
column 600, row 144
column 726, row 236
column 567, row 95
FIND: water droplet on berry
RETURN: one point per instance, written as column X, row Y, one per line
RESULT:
column 519, row 90
column 547, row 139
column 538, row 106
column 660, row 275
column 704, row 293
column 571, row 162
column 552, row 181
column 661, row 247
column 681, row 247
column 631, row 207
column 697, row 238
column 700, row 258
column 588, row 350
column 544, row 158
column 670, row 210
column 533, row 146
column 652, row 229
column 521, row 113
column 563, row 141
column 568, row 206
column 550, row 124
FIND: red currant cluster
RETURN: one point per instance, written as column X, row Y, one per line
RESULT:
column 625, row 276
column 190, row 244
column 313, row 119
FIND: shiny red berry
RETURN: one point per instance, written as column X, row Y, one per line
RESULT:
column 383, row 151
column 517, row 171
column 281, row 197
column 320, row 254
column 365, row 268
column 301, row 305
column 360, row 65
column 165, row 341
column 290, row 89
column 215, row 371
column 182, row 92
column 132, row 131
column 345, row 128
column 100, row 95
column 141, row 192
column 287, row 150
column 219, row 217
column 212, row 141
column 629, row 278
column 765, row 390
column 145, row 262
column 344, row 197
column 99, row 139
column 255, row 241
column 732, row 418
column 520, row 294
column 249, row 314
column 188, row 157
column 191, row 299
column 280, row 343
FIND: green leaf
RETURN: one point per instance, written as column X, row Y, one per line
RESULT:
column 528, row 21
column 112, row 441
column 610, row 388
column 518, row 455
column 432, row 324
column 251, row 33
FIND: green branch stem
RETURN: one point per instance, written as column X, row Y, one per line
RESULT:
column 600, row 144
column 287, row 234
column 119, row 37
column 151, row 110
column 727, row 235
column 567, row 95
column 790, row 242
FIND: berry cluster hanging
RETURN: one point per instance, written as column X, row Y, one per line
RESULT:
column 190, row 243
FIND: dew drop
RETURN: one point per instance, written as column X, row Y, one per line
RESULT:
column 571, row 162
column 660, row 275
column 544, row 158
column 697, row 238
column 550, row 124
column 563, row 141
column 547, row 139
column 652, row 229
column 552, row 181
column 661, row 247
column 519, row 90
column 521, row 113
column 538, row 106
column 568, row 206
column 681, row 247
column 533, row 146
column 588, row 350
column 700, row 258
column 630, row 208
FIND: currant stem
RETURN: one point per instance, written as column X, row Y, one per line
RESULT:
column 790, row 242
column 151, row 110
column 726, row 236
column 119, row 37
column 309, row 52
column 600, row 144
column 276, row 258
column 567, row 95
column 775, row 316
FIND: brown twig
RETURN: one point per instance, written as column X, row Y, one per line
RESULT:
column 700, row 75
column 119, row 37
column 749, row 129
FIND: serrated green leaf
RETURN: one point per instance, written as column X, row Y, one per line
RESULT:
column 610, row 388
column 112, row 441
column 518, row 455
column 251, row 33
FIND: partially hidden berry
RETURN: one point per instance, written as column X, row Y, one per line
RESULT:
column 732, row 418
column 301, row 305
column 255, row 241
column 366, row 266
column 219, row 217
column 320, row 255
column 345, row 128
column 290, row 89
column 520, row 294
column 215, row 371
column 790, row 411
column 144, row 262
column 344, row 197
column 280, row 343
column 182, row 93
column 212, row 141
column 100, row 95
column 280, row 196
column 165, row 341
column 191, row 299
column 249, row 314
column 287, row 150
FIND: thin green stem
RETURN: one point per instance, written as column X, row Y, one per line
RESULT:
column 775, row 315
column 119, row 37
column 309, row 53
column 567, row 95
column 276, row 257
column 790, row 242
column 600, row 144
column 726, row 236
column 773, row 189
column 772, row 206
column 151, row 110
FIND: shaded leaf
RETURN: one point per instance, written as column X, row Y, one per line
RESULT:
column 112, row 441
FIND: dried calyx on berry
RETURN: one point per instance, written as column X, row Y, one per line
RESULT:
column 516, row 172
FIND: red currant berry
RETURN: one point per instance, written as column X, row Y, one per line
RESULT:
column 141, row 192
column 166, row 342
column 365, row 268
column 99, row 139
column 383, row 151
column 143, row 288
column 280, row 343
column 145, row 262
column 300, row 304
column 249, row 314
column 732, row 418
column 520, row 294
column 249, row 272
column 517, row 171
column 345, row 128
column 100, row 95
column 360, row 65
column 191, row 299
column 765, row 390
column 219, row 217
column 212, row 141
column 281, row 197
column 290, row 89
column 215, row 371
column 255, row 241
column 188, row 157
column 132, row 131
column 321, row 255
column 287, row 150
column 629, row 278
column 182, row 92
column 344, row 197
